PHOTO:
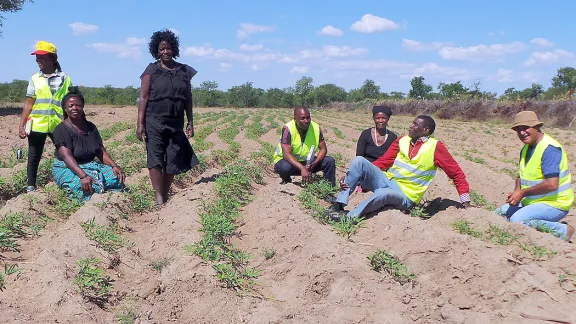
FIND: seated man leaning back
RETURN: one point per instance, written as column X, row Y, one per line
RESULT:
column 403, row 174
column 295, row 154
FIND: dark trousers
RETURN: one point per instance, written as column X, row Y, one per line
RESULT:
column 36, row 143
column 328, row 168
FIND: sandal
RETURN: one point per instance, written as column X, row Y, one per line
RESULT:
column 570, row 234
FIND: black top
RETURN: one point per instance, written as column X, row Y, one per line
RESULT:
column 168, row 92
column 84, row 147
column 368, row 149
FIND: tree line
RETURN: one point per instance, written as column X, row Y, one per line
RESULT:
column 304, row 92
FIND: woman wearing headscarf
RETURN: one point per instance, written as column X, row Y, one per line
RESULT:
column 82, row 166
column 165, row 97
column 375, row 141
column 42, row 109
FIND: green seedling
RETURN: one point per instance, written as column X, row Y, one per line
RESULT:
column 500, row 236
column 382, row 260
column 469, row 157
column 465, row 227
column 92, row 282
column 106, row 237
column 479, row 200
column 160, row 264
column 269, row 254
column 60, row 201
column 338, row 133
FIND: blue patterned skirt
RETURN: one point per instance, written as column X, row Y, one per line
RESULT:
column 102, row 174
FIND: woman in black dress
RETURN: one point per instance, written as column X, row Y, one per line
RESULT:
column 374, row 142
column 165, row 97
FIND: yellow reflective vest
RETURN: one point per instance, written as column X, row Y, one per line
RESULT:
column 414, row 176
column 47, row 112
column 531, row 174
column 300, row 149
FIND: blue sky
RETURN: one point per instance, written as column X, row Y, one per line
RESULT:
column 273, row 44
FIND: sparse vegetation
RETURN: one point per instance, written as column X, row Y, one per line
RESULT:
column 479, row 200
column 218, row 226
column 269, row 254
column 106, row 237
column 92, row 282
column 465, row 227
column 382, row 260
column 159, row 265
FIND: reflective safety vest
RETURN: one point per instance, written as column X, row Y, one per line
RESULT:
column 47, row 112
column 414, row 176
column 300, row 149
column 531, row 175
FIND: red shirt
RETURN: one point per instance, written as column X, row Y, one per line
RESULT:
column 442, row 159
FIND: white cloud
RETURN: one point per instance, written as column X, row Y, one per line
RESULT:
column 492, row 34
column 430, row 70
column 258, row 66
column 134, row 41
column 481, row 52
column 225, row 66
column 80, row 28
column 508, row 76
column 199, row 51
column 131, row 48
column 246, row 30
column 300, row 69
column 372, row 24
column 175, row 31
column 331, row 31
column 556, row 56
column 335, row 51
column 249, row 48
column 542, row 42
column 368, row 65
column 416, row 46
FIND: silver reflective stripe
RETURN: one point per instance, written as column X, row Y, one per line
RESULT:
column 416, row 180
column 412, row 169
column 562, row 188
column 47, row 101
column 48, row 112
column 532, row 183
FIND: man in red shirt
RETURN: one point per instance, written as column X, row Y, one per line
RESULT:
column 409, row 167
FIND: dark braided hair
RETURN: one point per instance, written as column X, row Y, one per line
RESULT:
column 73, row 91
column 167, row 36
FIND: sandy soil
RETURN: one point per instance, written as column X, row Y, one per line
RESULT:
column 316, row 275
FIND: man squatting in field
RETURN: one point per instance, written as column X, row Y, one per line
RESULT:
column 301, row 138
column 543, row 192
column 409, row 167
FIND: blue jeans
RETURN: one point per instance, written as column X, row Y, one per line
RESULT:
column 537, row 215
column 386, row 192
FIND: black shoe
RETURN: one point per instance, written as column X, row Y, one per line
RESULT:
column 285, row 181
column 335, row 212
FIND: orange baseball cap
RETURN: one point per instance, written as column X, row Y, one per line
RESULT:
column 43, row 48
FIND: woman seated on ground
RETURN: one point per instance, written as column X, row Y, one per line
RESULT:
column 374, row 142
column 78, row 144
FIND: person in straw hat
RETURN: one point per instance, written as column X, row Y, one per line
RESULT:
column 543, row 194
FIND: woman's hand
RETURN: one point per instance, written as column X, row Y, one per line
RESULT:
column 140, row 131
column 119, row 173
column 21, row 132
column 190, row 130
column 86, row 184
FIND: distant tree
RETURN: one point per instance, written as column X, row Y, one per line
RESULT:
column 565, row 78
column 420, row 90
column 397, row 95
column 304, row 89
column 10, row 6
column 534, row 92
column 451, row 90
column 245, row 95
column 369, row 89
column 327, row 93
column 355, row 95
column 208, row 94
